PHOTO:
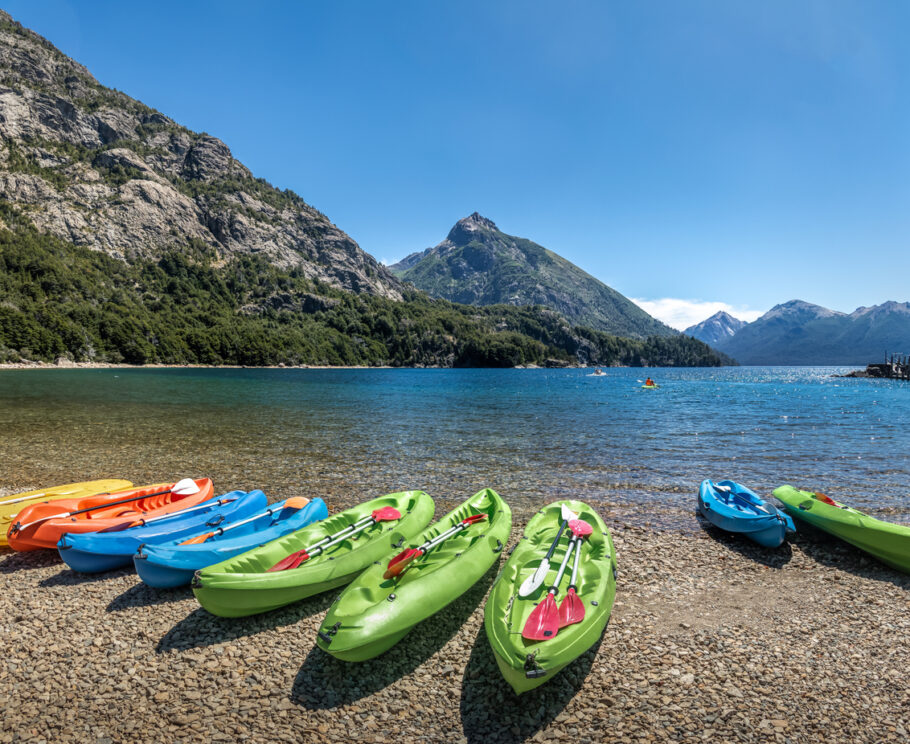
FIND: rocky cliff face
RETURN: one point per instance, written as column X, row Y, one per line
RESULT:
column 96, row 168
column 478, row 264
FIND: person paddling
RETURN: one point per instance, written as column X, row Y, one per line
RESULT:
column 649, row 381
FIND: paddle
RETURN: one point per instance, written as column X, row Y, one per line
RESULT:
column 204, row 505
column 385, row 514
column 404, row 558
column 5, row 502
column 298, row 502
column 535, row 580
column 826, row 499
column 184, row 487
column 572, row 609
column 543, row 622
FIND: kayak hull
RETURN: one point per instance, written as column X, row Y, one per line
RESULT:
column 94, row 552
column 104, row 516
column 528, row 664
column 734, row 508
column 373, row 614
column 886, row 541
column 11, row 505
column 243, row 585
column 171, row 564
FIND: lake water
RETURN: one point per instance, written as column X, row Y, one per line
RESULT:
column 533, row 435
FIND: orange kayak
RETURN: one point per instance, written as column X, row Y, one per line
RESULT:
column 38, row 526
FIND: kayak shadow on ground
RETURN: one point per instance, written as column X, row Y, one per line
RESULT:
column 68, row 577
column 28, row 560
column 143, row 595
column 325, row 682
column 831, row 551
column 201, row 628
column 491, row 711
column 771, row 557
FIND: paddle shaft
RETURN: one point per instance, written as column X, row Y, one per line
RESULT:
column 575, row 566
column 338, row 537
column 18, row 528
column 266, row 513
column 562, row 566
column 430, row 544
column 553, row 545
column 205, row 505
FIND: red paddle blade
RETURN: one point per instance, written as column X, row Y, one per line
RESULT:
column 473, row 518
column 825, row 499
column 580, row 528
column 400, row 562
column 571, row 609
column 291, row 561
column 386, row 514
column 543, row 622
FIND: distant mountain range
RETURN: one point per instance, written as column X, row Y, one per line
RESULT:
column 798, row 332
column 478, row 264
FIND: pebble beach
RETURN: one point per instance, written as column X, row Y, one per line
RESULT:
column 711, row 639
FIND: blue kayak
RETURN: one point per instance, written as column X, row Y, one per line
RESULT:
column 171, row 564
column 734, row 508
column 91, row 552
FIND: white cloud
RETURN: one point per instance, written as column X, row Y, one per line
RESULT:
column 680, row 314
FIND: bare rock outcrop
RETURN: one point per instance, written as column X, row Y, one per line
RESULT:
column 97, row 168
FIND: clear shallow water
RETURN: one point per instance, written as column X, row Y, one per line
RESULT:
column 533, row 435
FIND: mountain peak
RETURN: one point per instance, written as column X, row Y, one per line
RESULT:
column 465, row 229
column 719, row 327
column 478, row 264
column 801, row 308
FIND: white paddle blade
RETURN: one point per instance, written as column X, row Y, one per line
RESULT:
column 535, row 580
column 185, row 487
column 567, row 514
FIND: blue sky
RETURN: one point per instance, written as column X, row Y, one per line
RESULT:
column 736, row 154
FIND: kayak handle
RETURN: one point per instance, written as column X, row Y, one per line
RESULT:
column 327, row 635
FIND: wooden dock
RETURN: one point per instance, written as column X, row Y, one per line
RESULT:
column 896, row 367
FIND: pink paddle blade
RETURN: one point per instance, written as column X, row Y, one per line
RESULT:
column 580, row 528
column 291, row 561
column 543, row 622
column 386, row 514
column 400, row 562
column 571, row 609
column 473, row 518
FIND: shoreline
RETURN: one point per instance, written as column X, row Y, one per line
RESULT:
column 711, row 638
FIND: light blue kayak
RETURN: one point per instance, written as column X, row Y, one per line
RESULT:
column 92, row 552
column 734, row 508
column 171, row 564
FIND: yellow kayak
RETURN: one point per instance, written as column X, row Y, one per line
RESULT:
column 11, row 505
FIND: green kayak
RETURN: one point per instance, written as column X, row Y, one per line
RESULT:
column 527, row 664
column 373, row 613
column 255, row 582
column 888, row 542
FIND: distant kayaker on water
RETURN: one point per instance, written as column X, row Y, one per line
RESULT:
column 649, row 381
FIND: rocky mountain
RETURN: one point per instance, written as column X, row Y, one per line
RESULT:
column 798, row 332
column 125, row 237
column 96, row 168
column 716, row 329
column 478, row 264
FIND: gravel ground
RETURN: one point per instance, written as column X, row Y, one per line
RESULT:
column 711, row 639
